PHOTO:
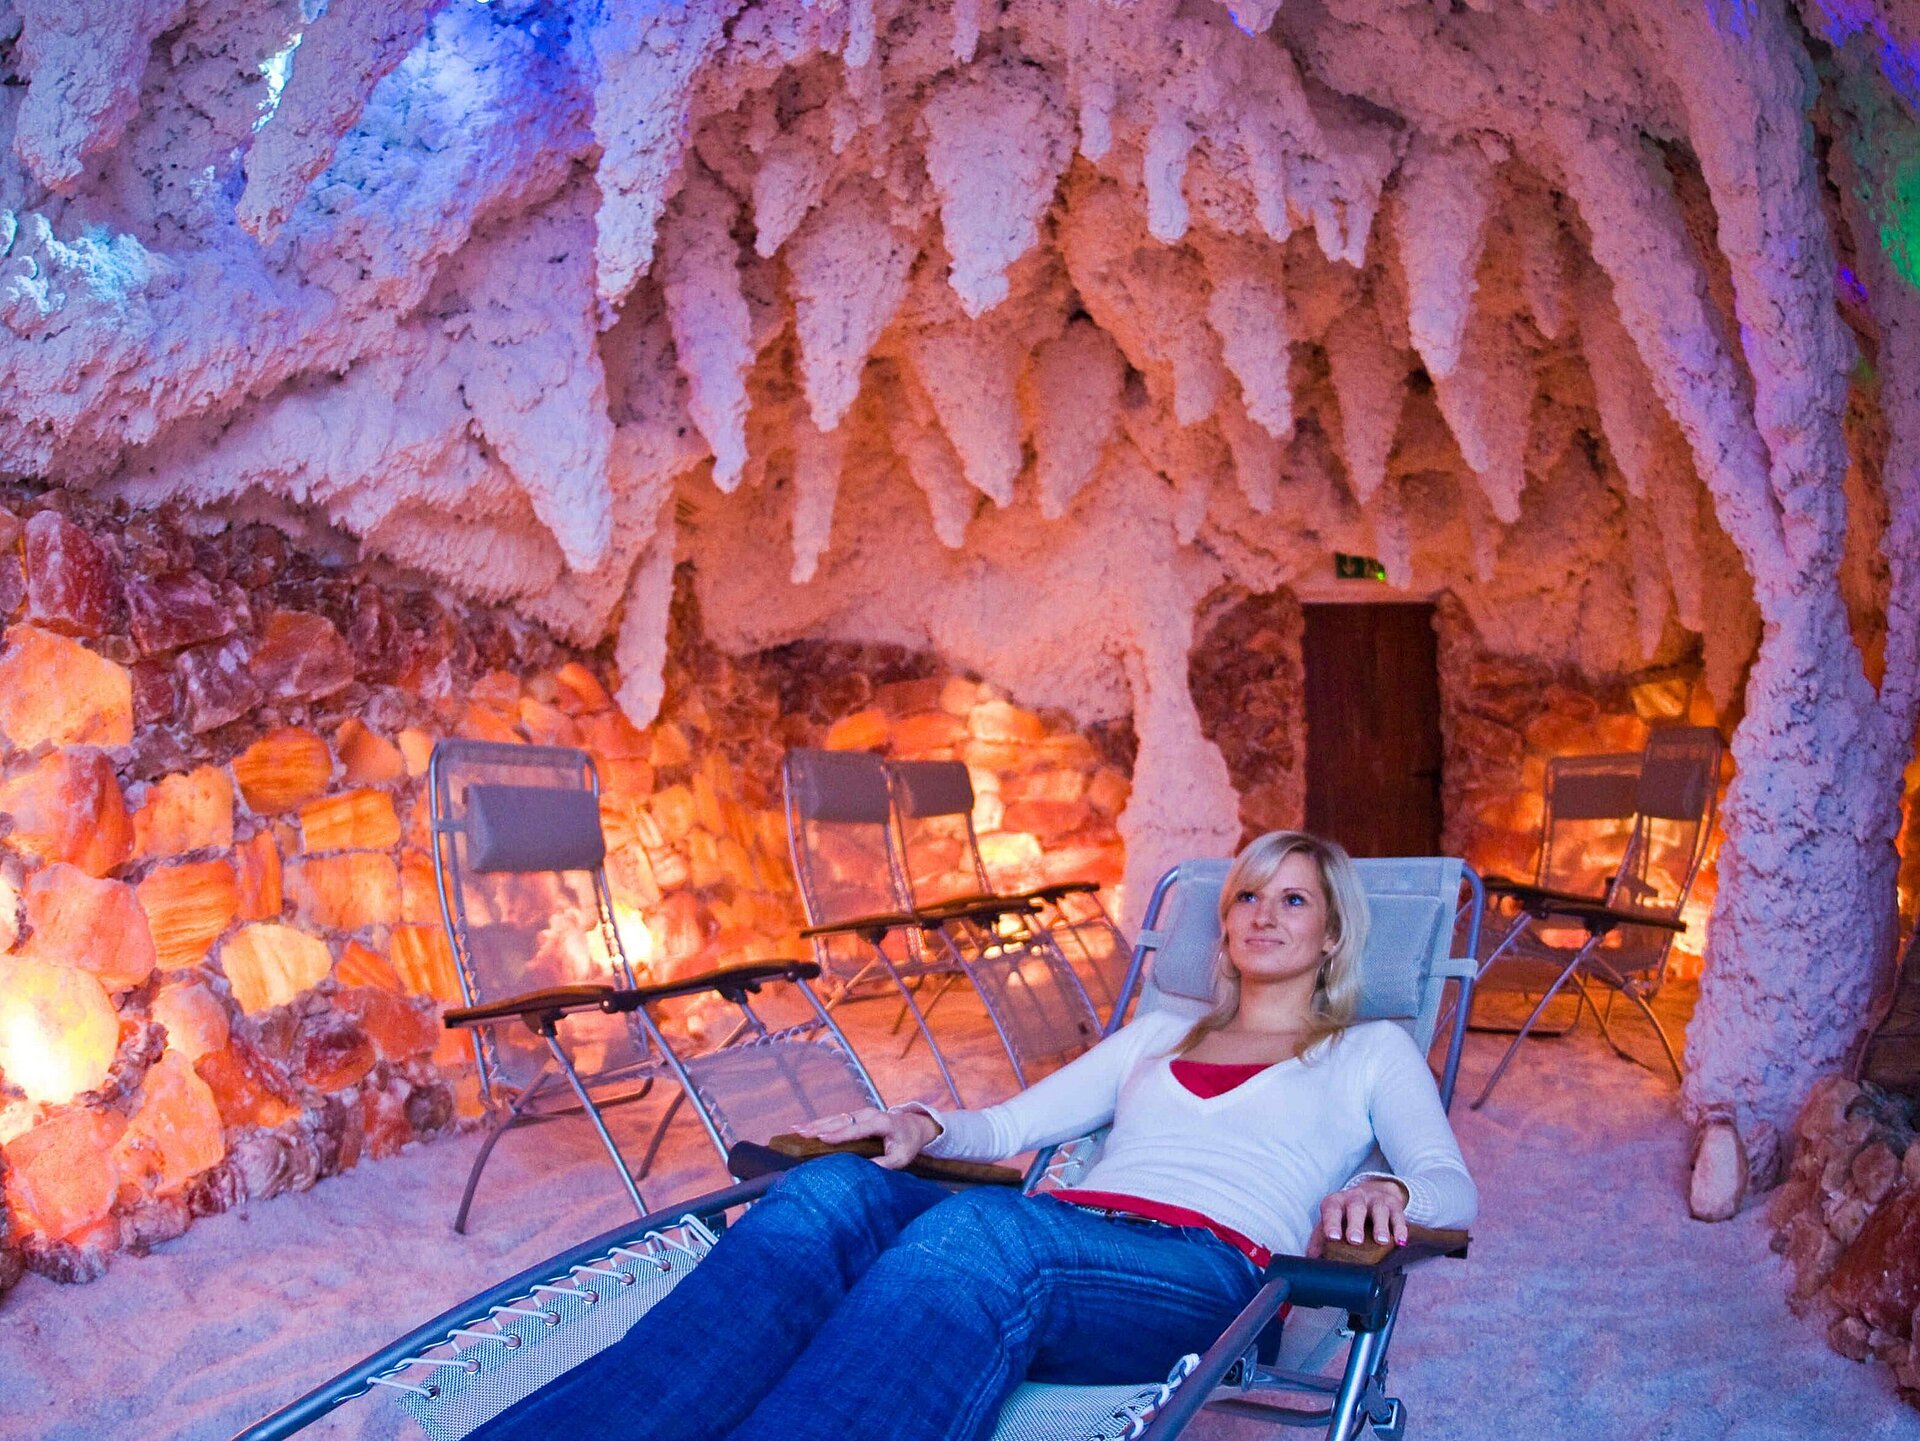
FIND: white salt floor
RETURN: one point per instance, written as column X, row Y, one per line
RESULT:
column 1591, row 1307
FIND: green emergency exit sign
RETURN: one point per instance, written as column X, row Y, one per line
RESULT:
column 1357, row 567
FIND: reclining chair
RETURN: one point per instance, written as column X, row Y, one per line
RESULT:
column 933, row 804
column 1625, row 928
column 472, row 1362
column 561, row 1025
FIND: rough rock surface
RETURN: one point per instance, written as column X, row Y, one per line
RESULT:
column 1567, row 307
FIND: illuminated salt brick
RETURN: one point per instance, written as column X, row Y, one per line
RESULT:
column 268, row 965
column 246, row 1089
column 482, row 723
column 58, row 1029
column 68, row 807
column 670, row 746
column 363, row 966
column 283, row 769
column 61, row 1174
column 578, row 691
column 176, row 1134
column 194, row 1019
column 1108, row 791
column 70, row 578
column 366, row 757
column 346, row 892
column 547, row 725
column 423, row 959
column 998, row 720
column 1047, row 819
column 56, row 691
column 673, row 811
column 256, row 868
column 93, row 925
column 611, row 736
column 362, row 820
column 929, row 732
column 397, row 1027
column 416, row 749
column 187, row 907
column 419, row 892
column 184, row 813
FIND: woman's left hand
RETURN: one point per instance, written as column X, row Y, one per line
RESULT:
column 1347, row 1213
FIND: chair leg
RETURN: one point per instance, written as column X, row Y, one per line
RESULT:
column 501, row 1127
column 660, row 1131
column 599, row 1123
column 920, row 1019
column 1627, row 989
column 1347, row 1415
column 1526, row 1028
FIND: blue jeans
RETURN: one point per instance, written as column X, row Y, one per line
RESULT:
column 853, row 1302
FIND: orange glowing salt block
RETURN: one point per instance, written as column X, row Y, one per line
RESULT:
column 184, row 813
column 674, row 811
column 998, row 720
column 55, row 690
column 934, row 730
column 362, row 966
column 578, row 691
column 419, row 892
column 194, row 1019
column 611, row 736
column 547, row 725
column 256, row 870
column 361, row 820
column 58, row 1030
column 93, row 925
column 346, row 892
column 175, row 1135
column 670, row 746
column 62, row 1174
column 67, row 806
column 864, row 730
column 416, row 749
column 483, row 723
column 423, row 959
column 268, row 965
column 283, row 769
column 187, row 907
column 397, row 1027
column 245, row 1089
column 369, row 758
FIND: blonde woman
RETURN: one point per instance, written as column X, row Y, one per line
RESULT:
column 1232, row 1139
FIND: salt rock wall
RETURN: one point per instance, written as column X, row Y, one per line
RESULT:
column 1019, row 331
column 222, row 960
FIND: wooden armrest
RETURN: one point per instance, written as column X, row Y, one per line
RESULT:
column 1525, row 892
column 1600, row 918
column 870, row 927
column 795, row 1149
column 966, row 908
column 555, row 1002
column 1057, row 890
column 1422, row 1241
column 732, row 982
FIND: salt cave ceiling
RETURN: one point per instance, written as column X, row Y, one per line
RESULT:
column 895, row 317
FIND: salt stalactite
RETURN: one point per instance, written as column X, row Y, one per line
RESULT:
column 1247, row 306
column 817, row 458
column 1652, row 599
column 795, row 170
column 997, row 141
column 1444, row 194
column 1072, row 391
column 83, row 60
column 1488, row 403
column 1257, row 456
column 643, row 98
column 1544, row 280
column 1630, row 413
column 1169, row 143
column 849, row 270
column 640, row 650
column 1370, row 382
column 913, row 429
column 341, row 57
column 861, row 26
column 970, row 370
column 966, row 29
column 1392, row 534
column 532, row 371
column 712, row 328
column 490, row 561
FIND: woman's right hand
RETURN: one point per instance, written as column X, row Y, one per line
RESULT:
column 904, row 1134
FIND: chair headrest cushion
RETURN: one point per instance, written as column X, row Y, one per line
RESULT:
column 934, row 788
column 533, row 828
column 839, row 787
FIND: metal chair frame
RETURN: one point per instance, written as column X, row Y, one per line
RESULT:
column 533, row 1101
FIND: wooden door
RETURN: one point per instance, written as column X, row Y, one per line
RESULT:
column 1373, row 728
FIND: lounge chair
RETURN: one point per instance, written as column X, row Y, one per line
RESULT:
column 473, row 1361
column 561, row 1023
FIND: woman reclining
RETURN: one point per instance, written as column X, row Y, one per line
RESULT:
column 853, row 1301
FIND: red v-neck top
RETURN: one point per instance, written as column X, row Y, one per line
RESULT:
column 1205, row 1079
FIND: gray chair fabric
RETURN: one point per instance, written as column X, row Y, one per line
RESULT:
column 533, row 828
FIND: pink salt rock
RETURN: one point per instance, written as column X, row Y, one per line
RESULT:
column 93, row 925
column 195, row 1021
column 423, row 959
column 1877, row 1277
column 217, row 684
column 416, row 749
column 175, row 1135
column 68, row 806
column 611, row 736
column 301, row 657
column 58, row 1030
column 183, row 813
column 268, row 965
column 368, row 758
column 13, row 575
column 924, row 734
column 864, row 730
column 332, row 1051
column 168, row 612
column 156, row 699
column 256, row 870
column 70, row 578
column 998, row 720
column 350, row 820
column 283, row 769
column 577, row 691
column 670, row 746
column 246, row 1089
column 548, row 725
column 188, row 906
column 346, row 892
column 363, row 967
column 1046, row 819
column 419, row 891
column 61, row 1174
column 55, row 690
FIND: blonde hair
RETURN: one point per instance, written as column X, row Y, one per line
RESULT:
column 1336, row 991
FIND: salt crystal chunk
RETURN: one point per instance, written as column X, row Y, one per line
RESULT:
column 68, row 807
column 301, row 657
column 58, row 1030
column 268, row 965
column 70, row 579
column 94, row 925
column 168, row 612
column 54, row 689
column 256, row 864
column 184, row 813
column 350, row 820
column 194, row 1019
column 175, row 1134
column 61, row 1174
column 283, row 769
column 188, row 906
column 216, row 684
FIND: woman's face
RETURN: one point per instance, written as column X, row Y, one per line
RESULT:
column 1279, row 932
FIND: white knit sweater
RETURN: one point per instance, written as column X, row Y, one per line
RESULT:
column 1258, row 1159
